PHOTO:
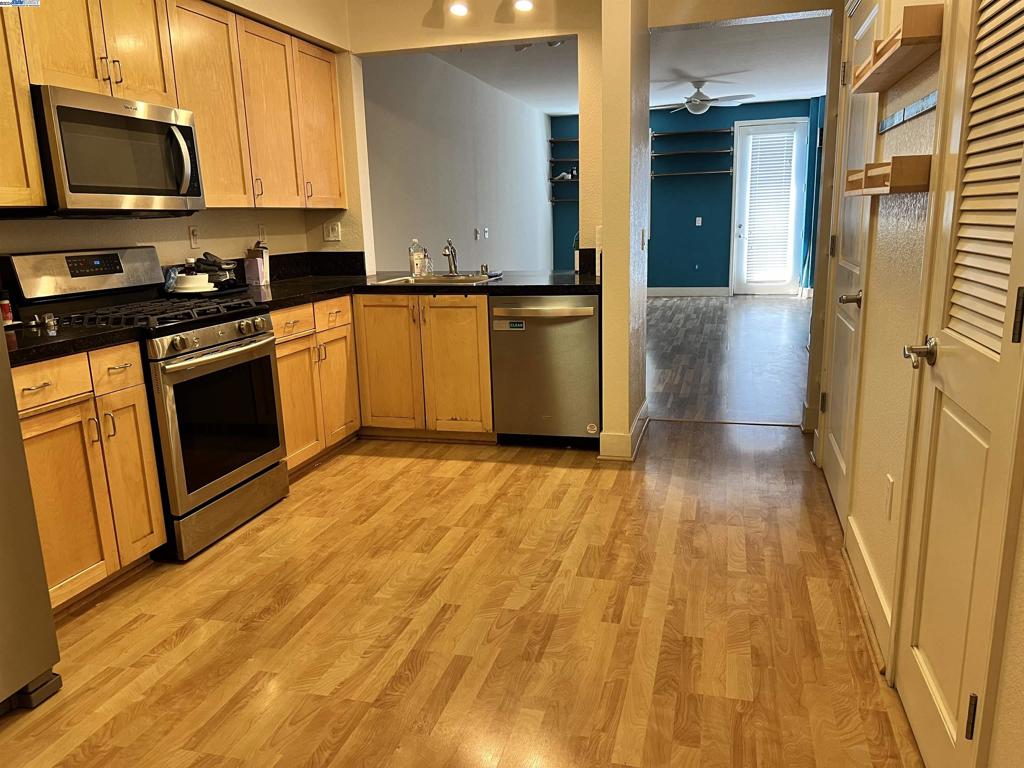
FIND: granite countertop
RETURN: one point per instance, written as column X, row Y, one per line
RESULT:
column 31, row 345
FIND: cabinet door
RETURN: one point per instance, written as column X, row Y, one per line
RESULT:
column 271, row 113
column 208, row 72
column 390, row 366
column 456, row 363
column 21, row 182
column 316, row 80
column 339, row 388
column 64, row 45
column 130, row 460
column 299, row 384
column 69, row 488
column 139, row 47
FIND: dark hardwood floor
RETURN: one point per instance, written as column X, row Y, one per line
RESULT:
column 741, row 359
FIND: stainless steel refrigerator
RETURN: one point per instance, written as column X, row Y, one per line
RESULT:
column 28, row 642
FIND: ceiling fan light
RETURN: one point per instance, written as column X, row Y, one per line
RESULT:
column 524, row 5
column 458, row 8
column 697, row 107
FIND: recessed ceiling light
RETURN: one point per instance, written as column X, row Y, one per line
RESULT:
column 524, row 5
column 458, row 8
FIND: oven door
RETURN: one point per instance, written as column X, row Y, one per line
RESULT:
column 108, row 154
column 219, row 417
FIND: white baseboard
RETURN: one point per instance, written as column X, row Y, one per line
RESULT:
column 879, row 610
column 663, row 292
column 622, row 446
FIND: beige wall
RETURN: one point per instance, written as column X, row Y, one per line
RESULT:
column 322, row 21
column 626, row 169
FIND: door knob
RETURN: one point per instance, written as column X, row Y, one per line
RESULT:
column 929, row 351
column 852, row 298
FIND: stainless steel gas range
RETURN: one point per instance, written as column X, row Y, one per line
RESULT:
column 212, row 377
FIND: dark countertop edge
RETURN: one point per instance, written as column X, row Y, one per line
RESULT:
column 349, row 285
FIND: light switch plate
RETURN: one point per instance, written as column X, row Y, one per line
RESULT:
column 700, row 221
column 193, row 237
column 332, row 232
column 261, row 232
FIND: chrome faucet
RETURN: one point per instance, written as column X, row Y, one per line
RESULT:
column 450, row 253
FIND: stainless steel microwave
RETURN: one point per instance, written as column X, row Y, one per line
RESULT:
column 109, row 156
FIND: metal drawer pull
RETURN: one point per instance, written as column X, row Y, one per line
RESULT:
column 37, row 387
column 324, row 348
column 544, row 312
column 121, row 367
column 113, row 424
column 96, row 425
column 117, row 68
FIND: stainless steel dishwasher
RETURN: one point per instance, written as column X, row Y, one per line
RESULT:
column 545, row 365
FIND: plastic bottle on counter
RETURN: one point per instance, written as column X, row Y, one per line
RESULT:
column 417, row 258
column 6, row 312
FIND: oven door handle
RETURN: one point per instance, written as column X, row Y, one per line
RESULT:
column 213, row 357
column 186, row 159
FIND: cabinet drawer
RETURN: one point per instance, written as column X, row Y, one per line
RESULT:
column 333, row 313
column 293, row 321
column 115, row 368
column 51, row 380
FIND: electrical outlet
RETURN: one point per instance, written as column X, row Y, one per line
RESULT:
column 700, row 221
column 476, row 233
column 261, row 232
column 487, row 233
column 332, row 232
column 193, row 237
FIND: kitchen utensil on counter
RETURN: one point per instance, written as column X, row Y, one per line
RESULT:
column 220, row 270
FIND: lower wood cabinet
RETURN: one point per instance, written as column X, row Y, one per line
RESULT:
column 424, row 362
column 69, row 489
column 298, row 379
column 92, row 466
column 316, row 372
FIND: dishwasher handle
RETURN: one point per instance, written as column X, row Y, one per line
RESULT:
column 543, row 311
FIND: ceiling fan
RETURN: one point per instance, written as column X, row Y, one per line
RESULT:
column 699, row 102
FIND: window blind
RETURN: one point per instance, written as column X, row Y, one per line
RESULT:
column 769, row 254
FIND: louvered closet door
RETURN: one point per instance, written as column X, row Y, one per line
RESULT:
column 963, row 503
column 769, row 207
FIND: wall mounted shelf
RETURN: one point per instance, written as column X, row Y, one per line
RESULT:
column 692, row 152
column 563, row 181
column 690, row 173
column 565, row 200
column 903, row 173
column 563, row 159
column 918, row 37
column 564, row 141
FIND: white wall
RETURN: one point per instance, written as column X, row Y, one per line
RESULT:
column 448, row 153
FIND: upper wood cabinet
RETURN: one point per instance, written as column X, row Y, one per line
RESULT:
column 456, row 363
column 21, row 182
column 319, row 126
column 208, row 71
column 390, row 364
column 271, row 111
column 118, row 47
column 69, row 488
column 64, row 45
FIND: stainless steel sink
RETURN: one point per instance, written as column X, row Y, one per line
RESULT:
column 460, row 279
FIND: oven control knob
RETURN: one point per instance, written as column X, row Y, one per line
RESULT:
column 180, row 343
column 245, row 327
column 259, row 324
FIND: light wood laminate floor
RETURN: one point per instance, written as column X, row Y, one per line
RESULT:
column 443, row 605
column 741, row 359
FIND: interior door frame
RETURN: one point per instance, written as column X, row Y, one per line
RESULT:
column 804, row 121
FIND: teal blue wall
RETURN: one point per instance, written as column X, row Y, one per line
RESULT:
column 566, row 215
column 682, row 254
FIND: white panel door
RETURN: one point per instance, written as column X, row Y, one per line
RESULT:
column 842, row 338
column 964, row 501
column 770, row 201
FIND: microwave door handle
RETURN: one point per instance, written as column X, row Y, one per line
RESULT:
column 186, row 159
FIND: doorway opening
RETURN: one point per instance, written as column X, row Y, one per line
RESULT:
column 736, row 119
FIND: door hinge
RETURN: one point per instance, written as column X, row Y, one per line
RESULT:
column 832, row 242
column 823, row 402
column 842, row 74
column 1018, row 316
column 972, row 714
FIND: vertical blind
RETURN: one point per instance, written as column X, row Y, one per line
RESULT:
column 990, row 177
column 769, row 230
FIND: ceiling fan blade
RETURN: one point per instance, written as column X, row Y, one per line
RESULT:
column 731, row 97
column 717, row 103
column 677, row 109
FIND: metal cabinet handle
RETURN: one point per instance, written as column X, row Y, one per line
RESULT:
column 309, row 189
column 95, row 423
column 37, row 387
column 106, row 68
column 929, row 351
column 259, row 181
column 412, row 312
column 113, row 424
column 423, row 314
column 121, row 367
column 120, row 72
column 324, row 348
column 543, row 312
column 852, row 298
